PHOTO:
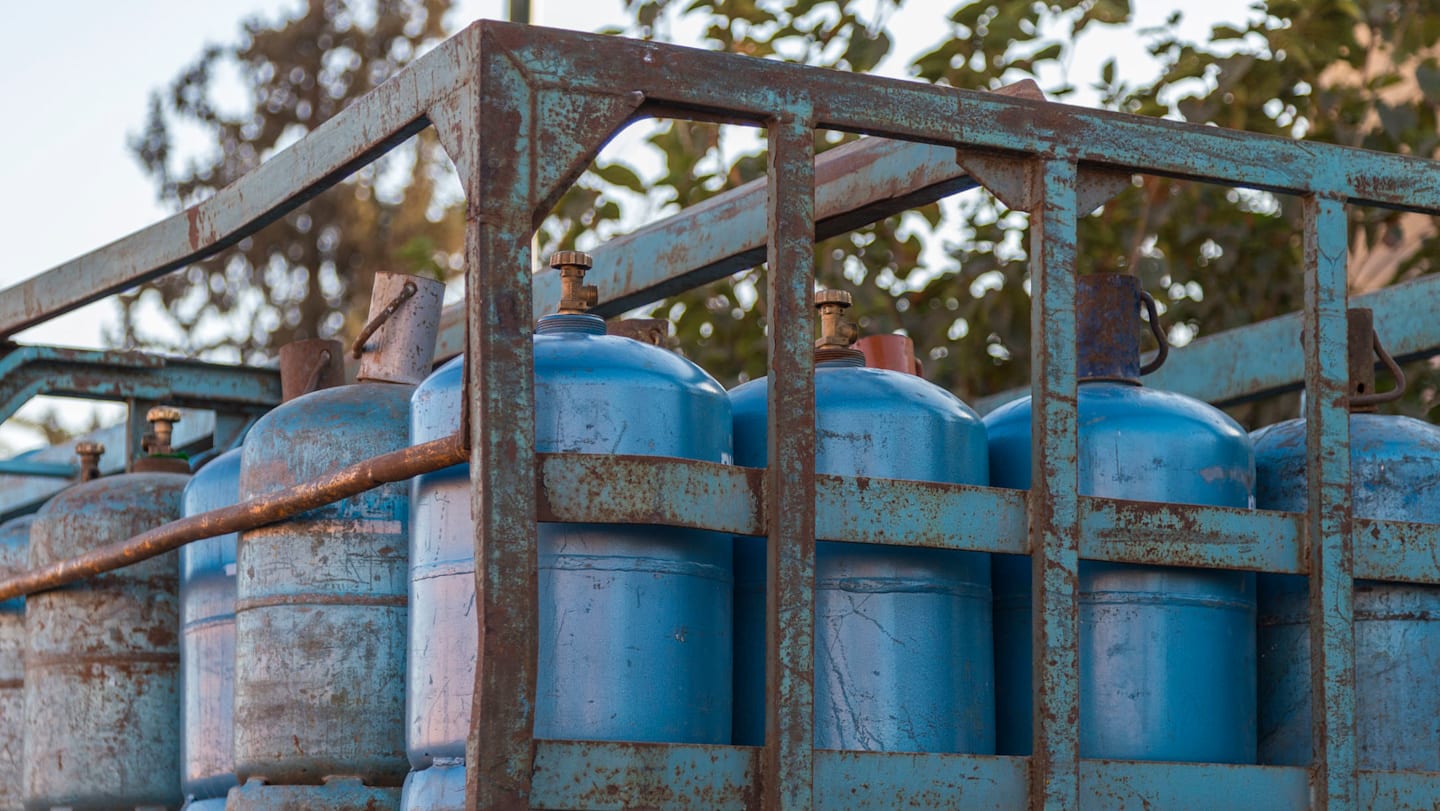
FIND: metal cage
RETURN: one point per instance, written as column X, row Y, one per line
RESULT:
column 522, row 111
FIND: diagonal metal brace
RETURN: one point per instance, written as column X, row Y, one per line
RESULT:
column 30, row 371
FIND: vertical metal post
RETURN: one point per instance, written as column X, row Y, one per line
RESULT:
column 1327, row 515
column 1053, row 502
column 790, row 479
column 500, row 200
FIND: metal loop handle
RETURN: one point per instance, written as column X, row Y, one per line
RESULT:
column 323, row 361
column 1395, row 372
column 405, row 294
column 1164, row 346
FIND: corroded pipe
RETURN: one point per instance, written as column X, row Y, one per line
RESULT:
column 256, row 512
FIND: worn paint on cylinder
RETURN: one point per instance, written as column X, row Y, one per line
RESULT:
column 444, row 623
column 1167, row 655
column 321, row 598
column 207, row 642
column 14, row 557
column 1395, row 469
column 634, row 621
column 902, row 635
column 102, row 656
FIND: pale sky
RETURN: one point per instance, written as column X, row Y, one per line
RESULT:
column 75, row 78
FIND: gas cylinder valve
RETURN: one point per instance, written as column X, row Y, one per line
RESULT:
column 575, row 296
column 835, row 329
column 162, row 421
column 89, row 453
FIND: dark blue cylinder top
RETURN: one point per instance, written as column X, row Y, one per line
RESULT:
column 635, row 621
column 1167, row 655
column 902, row 634
column 207, row 638
column 1394, row 475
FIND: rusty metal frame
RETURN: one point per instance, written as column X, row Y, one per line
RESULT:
column 522, row 111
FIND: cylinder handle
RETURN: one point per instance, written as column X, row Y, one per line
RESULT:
column 1376, row 398
column 1163, row 352
column 406, row 293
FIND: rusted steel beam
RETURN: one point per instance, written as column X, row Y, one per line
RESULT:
column 256, row 512
column 790, row 477
column 576, row 774
column 1396, row 550
column 497, row 168
column 676, row 492
column 1053, row 503
column 1328, row 517
column 28, row 371
column 1191, row 535
column 694, row 83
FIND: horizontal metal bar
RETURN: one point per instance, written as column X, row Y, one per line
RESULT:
column 1191, row 535
column 731, row 87
column 1397, row 550
column 28, row 371
column 891, row 511
column 594, row 488
column 1383, row 791
column 1137, row 786
column 617, row 776
column 605, row 776
column 873, row 781
column 49, row 470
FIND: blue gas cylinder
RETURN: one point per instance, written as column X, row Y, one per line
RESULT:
column 902, row 634
column 14, row 558
column 207, row 642
column 635, row 621
column 102, row 655
column 321, row 597
column 1167, row 654
column 1394, row 470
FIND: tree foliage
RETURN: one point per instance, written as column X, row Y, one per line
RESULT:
column 1355, row 72
column 310, row 273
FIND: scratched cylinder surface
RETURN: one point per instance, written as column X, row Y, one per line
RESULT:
column 1167, row 654
column 634, row 620
column 1395, row 475
column 102, row 656
column 207, row 642
column 14, row 559
column 321, row 599
column 902, row 635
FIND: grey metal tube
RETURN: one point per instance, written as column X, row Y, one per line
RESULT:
column 256, row 512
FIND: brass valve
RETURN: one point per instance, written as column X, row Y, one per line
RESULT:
column 89, row 453
column 162, row 421
column 835, row 329
column 575, row 296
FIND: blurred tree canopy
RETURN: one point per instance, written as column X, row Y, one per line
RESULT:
column 309, row 274
column 1355, row 72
